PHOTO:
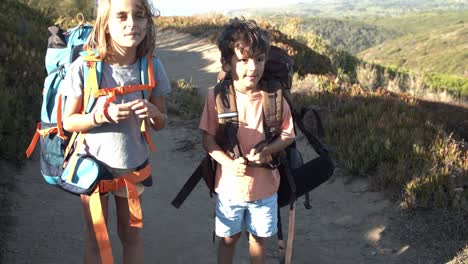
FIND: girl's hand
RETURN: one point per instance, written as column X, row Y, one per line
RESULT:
column 118, row 112
column 143, row 109
column 239, row 166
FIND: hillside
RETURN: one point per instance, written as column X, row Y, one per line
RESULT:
column 343, row 8
column 442, row 50
column 391, row 40
column 345, row 34
column 23, row 28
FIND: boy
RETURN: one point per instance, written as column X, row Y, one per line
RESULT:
column 246, row 195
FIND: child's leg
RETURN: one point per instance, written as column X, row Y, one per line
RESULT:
column 256, row 249
column 261, row 222
column 92, row 254
column 228, row 226
column 129, row 236
column 226, row 249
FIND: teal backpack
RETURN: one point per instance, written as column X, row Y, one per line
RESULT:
column 64, row 47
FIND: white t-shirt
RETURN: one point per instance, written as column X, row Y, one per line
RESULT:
column 118, row 145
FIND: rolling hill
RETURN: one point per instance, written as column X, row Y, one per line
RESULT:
column 435, row 42
column 423, row 41
column 343, row 8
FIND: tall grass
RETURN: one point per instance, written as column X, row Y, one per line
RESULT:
column 401, row 144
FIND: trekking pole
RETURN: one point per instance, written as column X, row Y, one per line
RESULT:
column 289, row 244
column 292, row 211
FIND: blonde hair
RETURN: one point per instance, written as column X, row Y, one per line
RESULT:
column 99, row 40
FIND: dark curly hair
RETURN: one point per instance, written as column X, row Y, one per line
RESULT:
column 245, row 35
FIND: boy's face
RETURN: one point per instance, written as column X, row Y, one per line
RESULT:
column 246, row 71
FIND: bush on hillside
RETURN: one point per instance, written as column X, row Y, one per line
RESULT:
column 63, row 8
column 23, row 46
column 185, row 100
column 398, row 142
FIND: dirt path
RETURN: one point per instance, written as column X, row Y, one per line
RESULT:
column 345, row 224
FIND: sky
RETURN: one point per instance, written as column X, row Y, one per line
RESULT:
column 191, row 7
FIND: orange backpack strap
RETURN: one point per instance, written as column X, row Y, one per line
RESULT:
column 38, row 133
column 100, row 227
column 91, row 84
column 145, row 127
column 136, row 217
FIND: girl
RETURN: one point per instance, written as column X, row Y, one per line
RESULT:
column 124, row 32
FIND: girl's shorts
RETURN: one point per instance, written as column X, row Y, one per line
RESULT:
column 122, row 192
column 260, row 217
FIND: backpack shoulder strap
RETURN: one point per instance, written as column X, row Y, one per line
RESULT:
column 272, row 102
column 92, row 78
column 228, row 119
column 148, row 72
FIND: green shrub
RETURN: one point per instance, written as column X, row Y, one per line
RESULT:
column 22, row 70
column 395, row 142
column 185, row 100
column 455, row 85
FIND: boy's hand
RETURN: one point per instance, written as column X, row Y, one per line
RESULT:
column 239, row 166
column 258, row 158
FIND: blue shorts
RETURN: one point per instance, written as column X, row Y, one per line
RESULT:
column 260, row 217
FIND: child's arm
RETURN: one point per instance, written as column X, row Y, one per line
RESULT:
column 264, row 155
column 237, row 166
column 285, row 138
column 75, row 121
column 155, row 109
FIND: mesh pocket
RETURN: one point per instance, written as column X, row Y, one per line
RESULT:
column 52, row 151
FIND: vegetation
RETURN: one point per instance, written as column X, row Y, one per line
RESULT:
column 428, row 42
column 185, row 100
column 62, row 9
column 440, row 50
column 313, row 56
column 21, row 66
column 399, row 143
column 350, row 35
column 350, row 8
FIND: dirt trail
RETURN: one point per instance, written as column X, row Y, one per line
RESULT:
column 345, row 223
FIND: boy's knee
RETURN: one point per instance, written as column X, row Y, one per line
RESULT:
column 253, row 239
column 230, row 241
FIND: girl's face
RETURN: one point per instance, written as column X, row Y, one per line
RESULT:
column 127, row 23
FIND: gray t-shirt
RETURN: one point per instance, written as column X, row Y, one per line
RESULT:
column 117, row 145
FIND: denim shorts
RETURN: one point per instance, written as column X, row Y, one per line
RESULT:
column 259, row 217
